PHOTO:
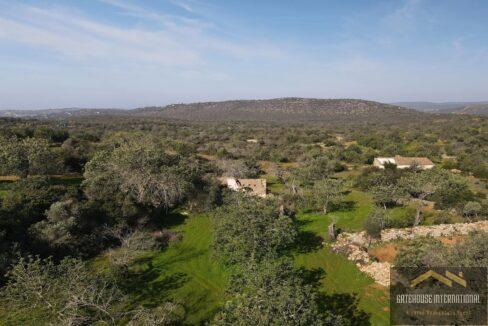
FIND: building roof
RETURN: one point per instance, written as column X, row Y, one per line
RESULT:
column 257, row 186
column 401, row 160
column 384, row 160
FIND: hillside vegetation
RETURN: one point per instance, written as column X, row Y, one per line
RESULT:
column 123, row 220
column 473, row 108
column 285, row 110
column 281, row 110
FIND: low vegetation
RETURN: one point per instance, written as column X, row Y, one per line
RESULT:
column 123, row 219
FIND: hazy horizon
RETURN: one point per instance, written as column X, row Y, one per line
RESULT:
column 237, row 99
column 128, row 54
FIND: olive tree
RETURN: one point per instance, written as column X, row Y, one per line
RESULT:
column 67, row 293
column 70, row 293
column 272, row 294
column 140, row 174
column 327, row 191
column 251, row 229
column 419, row 185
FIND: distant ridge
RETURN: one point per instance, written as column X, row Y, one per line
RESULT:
column 279, row 110
column 475, row 108
column 284, row 110
column 60, row 113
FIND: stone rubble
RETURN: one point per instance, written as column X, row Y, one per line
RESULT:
column 441, row 230
column 355, row 245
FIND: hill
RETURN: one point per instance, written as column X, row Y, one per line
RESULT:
column 475, row 108
column 285, row 110
column 60, row 113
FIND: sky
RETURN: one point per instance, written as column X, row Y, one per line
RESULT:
column 135, row 53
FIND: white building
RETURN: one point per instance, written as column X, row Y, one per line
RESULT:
column 402, row 162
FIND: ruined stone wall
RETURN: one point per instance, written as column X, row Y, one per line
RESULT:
column 355, row 245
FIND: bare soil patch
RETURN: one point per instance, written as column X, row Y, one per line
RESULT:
column 384, row 253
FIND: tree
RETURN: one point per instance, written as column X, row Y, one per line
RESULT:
column 26, row 203
column 386, row 194
column 73, row 227
column 447, row 189
column 43, row 160
column 133, row 244
column 473, row 252
column 30, row 156
column 272, row 294
column 375, row 222
column 419, row 185
column 166, row 314
column 13, row 160
column 327, row 191
column 67, row 293
column 316, row 169
column 472, row 208
column 56, row 229
column 250, row 229
column 140, row 174
column 430, row 252
column 421, row 252
column 238, row 168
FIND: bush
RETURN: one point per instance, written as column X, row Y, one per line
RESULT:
column 375, row 222
column 400, row 217
column 472, row 208
column 420, row 252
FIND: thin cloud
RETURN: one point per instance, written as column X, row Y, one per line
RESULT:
column 183, row 5
column 180, row 42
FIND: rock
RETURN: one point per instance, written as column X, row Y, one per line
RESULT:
column 380, row 272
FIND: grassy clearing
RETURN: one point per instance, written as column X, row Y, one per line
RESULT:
column 273, row 184
column 341, row 275
column 185, row 272
column 188, row 273
column 67, row 180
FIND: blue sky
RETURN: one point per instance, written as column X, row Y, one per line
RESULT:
column 129, row 53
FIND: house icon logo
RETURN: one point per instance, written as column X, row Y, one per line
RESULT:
column 449, row 279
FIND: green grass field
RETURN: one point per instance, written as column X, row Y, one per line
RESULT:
column 185, row 272
column 188, row 273
column 341, row 275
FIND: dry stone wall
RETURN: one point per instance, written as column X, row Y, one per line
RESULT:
column 355, row 245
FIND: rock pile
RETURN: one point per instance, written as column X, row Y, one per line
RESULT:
column 354, row 246
column 441, row 230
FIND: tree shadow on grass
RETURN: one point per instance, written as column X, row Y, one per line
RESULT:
column 307, row 242
column 344, row 206
column 163, row 220
column 312, row 276
column 150, row 288
column 343, row 304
